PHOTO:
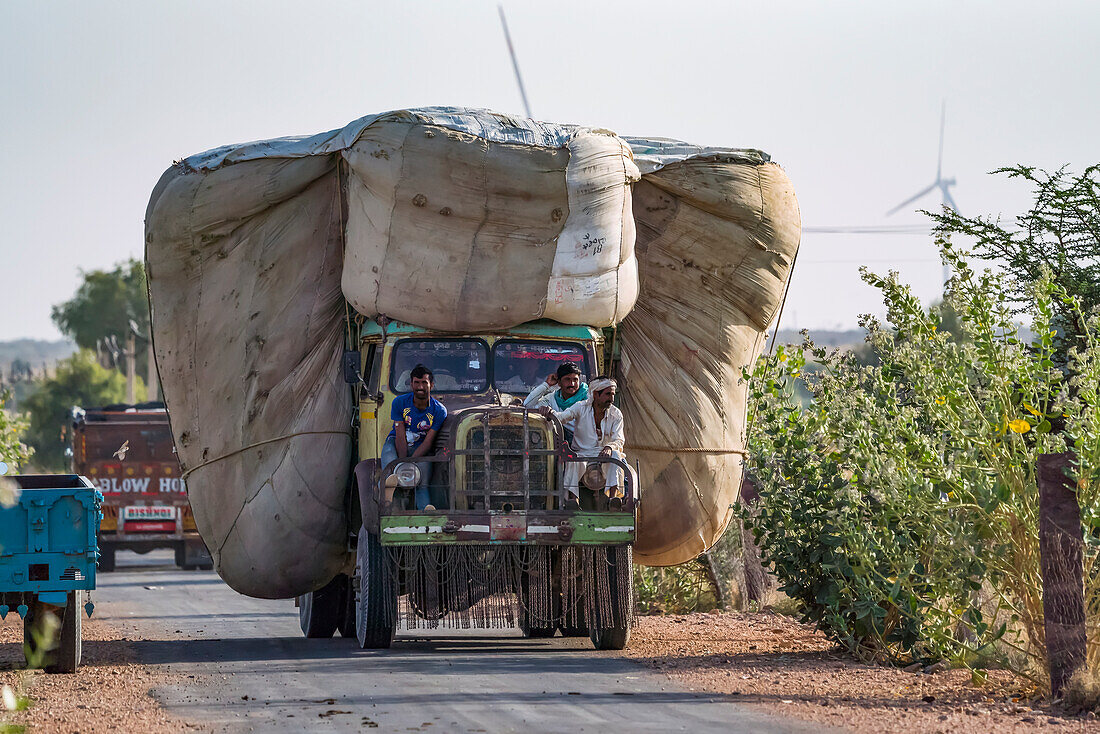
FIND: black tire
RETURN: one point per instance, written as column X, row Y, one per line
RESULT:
column 617, row 635
column 376, row 597
column 65, row 647
column 106, row 561
column 347, row 610
column 319, row 611
column 67, row 655
column 540, row 632
column 615, row 638
column 30, row 623
column 193, row 556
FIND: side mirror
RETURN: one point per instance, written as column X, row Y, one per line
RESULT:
column 351, row 368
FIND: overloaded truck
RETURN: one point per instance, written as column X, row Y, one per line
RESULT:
column 126, row 451
column 295, row 283
column 504, row 544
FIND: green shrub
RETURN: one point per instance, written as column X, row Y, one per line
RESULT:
column 12, row 451
column 673, row 590
column 907, row 487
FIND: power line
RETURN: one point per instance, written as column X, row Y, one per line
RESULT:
column 878, row 260
column 902, row 229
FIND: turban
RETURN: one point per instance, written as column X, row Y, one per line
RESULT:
column 602, row 383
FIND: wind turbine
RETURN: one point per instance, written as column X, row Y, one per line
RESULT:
column 515, row 64
column 941, row 183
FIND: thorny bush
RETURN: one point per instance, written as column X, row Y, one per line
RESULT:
column 900, row 506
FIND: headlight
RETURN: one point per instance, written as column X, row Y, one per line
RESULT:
column 408, row 474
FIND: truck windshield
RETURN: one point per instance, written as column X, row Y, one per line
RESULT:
column 459, row 365
column 519, row 366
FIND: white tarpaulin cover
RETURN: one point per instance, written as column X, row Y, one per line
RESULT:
column 457, row 220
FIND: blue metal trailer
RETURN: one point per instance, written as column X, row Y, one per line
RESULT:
column 48, row 558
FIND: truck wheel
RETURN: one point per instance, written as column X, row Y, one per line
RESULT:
column 31, row 623
column 106, row 558
column 617, row 636
column 376, row 600
column 613, row 638
column 541, row 632
column 67, row 655
column 319, row 611
column 63, row 653
column 347, row 609
column 192, row 555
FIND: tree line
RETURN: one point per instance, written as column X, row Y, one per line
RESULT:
column 108, row 320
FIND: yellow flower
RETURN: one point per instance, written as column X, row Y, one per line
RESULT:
column 1031, row 410
column 1019, row 425
column 782, row 357
column 941, row 400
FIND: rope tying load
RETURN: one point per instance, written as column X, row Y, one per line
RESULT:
column 686, row 450
column 260, row 443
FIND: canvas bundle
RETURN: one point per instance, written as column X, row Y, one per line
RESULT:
column 457, row 220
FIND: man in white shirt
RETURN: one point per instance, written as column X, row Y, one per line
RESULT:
column 560, row 391
column 597, row 431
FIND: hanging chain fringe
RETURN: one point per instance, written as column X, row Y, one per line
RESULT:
column 502, row 586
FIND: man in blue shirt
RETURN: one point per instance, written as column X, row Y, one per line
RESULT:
column 417, row 417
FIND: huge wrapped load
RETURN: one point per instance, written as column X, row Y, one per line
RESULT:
column 457, row 220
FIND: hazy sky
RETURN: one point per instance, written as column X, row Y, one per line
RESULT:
column 98, row 98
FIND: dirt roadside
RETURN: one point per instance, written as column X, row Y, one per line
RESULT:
column 110, row 692
column 787, row 668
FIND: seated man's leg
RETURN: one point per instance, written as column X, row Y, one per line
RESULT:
column 613, row 486
column 423, row 491
column 389, row 452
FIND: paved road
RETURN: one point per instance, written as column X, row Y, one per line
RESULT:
column 267, row 677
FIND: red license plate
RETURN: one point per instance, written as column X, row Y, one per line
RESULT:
column 149, row 527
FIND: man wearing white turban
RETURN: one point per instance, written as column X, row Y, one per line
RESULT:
column 598, row 431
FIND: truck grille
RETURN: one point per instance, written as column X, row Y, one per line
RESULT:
column 506, row 478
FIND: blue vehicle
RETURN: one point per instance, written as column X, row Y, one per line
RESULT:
column 48, row 558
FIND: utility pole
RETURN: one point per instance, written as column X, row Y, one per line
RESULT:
column 131, row 367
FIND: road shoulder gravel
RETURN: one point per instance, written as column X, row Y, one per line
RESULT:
column 778, row 665
column 109, row 692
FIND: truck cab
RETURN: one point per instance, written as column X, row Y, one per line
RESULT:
column 505, row 542
column 126, row 451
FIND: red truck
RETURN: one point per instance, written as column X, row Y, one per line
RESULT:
column 127, row 452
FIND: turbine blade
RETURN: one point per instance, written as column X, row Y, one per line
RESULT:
column 515, row 63
column 911, row 199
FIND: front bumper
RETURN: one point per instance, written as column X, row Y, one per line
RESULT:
column 538, row 527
